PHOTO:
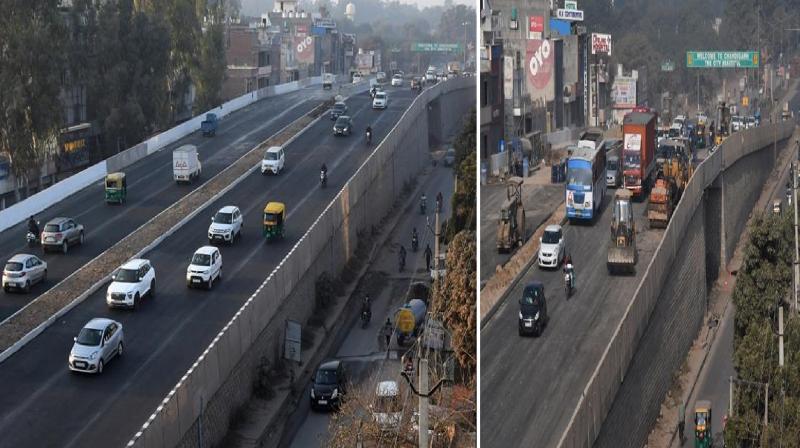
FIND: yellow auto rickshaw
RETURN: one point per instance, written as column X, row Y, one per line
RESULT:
column 116, row 188
column 274, row 214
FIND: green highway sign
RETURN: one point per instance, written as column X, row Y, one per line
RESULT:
column 722, row 59
column 667, row 66
column 435, row 47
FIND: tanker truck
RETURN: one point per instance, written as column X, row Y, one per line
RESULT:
column 409, row 320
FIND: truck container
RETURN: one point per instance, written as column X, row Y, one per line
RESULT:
column 590, row 138
column 638, row 152
column 185, row 164
column 409, row 320
column 209, row 126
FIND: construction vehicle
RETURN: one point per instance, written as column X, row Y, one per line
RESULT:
column 674, row 171
column 511, row 226
column 663, row 198
column 622, row 253
column 723, row 125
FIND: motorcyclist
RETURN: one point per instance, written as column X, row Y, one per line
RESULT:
column 423, row 202
column 33, row 226
column 439, row 200
column 369, row 134
column 373, row 91
column 569, row 269
column 366, row 306
column 323, row 171
column 414, row 237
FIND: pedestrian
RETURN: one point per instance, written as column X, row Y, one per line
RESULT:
column 428, row 254
column 387, row 332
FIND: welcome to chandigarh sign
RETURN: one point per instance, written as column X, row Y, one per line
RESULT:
column 722, row 59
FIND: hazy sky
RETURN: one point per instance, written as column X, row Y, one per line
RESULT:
column 256, row 7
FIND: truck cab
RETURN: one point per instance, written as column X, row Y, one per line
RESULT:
column 209, row 126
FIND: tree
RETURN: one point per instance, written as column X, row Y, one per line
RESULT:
column 210, row 71
column 31, row 58
column 464, row 216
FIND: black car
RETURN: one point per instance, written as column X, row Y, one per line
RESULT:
column 337, row 110
column 533, row 309
column 328, row 385
column 343, row 125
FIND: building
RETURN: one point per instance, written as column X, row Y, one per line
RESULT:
column 251, row 51
column 491, row 99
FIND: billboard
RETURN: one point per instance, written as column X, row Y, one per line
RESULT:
column 435, row 47
column 722, row 59
column 601, row 43
column 508, row 77
column 304, row 49
column 539, row 58
column 623, row 93
column 536, row 24
column 364, row 61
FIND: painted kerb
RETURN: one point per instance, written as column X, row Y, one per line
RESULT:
column 598, row 395
column 224, row 372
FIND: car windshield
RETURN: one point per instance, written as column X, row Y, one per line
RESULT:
column 387, row 404
column 342, row 121
column 201, row 259
column 451, row 153
column 611, row 165
column 223, row 218
column 338, row 107
column 551, row 237
column 531, row 297
column 579, row 173
column 90, row 337
column 271, row 156
column 380, row 96
column 325, row 376
column 127, row 276
column 13, row 266
column 51, row 228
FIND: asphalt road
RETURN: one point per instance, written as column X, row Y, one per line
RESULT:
column 43, row 404
column 151, row 189
column 530, row 386
column 360, row 349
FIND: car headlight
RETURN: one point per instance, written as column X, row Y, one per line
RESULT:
column 93, row 355
column 536, row 317
column 129, row 294
column 335, row 393
column 520, row 315
column 312, row 392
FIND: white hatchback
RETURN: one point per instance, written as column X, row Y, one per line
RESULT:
column 273, row 161
column 551, row 246
column 380, row 101
column 22, row 271
column 226, row 225
column 205, row 267
column 132, row 281
column 99, row 340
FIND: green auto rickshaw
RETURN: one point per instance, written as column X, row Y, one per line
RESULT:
column 116, row 188
column 702, row 425
column 274, row 214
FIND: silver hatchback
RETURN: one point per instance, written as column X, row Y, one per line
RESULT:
column 60, row 233
column 99, row 340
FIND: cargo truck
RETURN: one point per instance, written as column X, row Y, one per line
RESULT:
column 638, row 152
column 185, row 164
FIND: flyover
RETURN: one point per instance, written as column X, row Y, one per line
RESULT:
column 558, row 389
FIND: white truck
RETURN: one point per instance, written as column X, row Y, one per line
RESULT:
column 185, row 164
column 327, row 80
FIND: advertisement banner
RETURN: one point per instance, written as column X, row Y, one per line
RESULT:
column 508, row 77
column 536, row 24
column 632, row 142
column 601, row 43
column 623, row 93
column 304, row 49
column 539, row 57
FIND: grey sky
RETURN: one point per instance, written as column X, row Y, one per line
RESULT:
column 256, row 7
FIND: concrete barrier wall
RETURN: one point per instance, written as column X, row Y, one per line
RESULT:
column 599, row 394
column 222, row 378
column 36, row 203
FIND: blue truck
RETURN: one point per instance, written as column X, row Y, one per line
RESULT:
column 209, row 125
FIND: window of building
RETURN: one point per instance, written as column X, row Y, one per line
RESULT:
column 484, row 93
column 263, row 58
column 263, row 82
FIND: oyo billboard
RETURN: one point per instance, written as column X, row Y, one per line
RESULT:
column 539, row 62
column 304, row 49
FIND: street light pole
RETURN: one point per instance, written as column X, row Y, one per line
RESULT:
column 464, row 68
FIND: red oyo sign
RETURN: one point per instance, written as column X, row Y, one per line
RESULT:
column 539, row 59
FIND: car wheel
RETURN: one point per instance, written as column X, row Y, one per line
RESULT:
column 27, row 286
column 64, row 246
column 119, row 349
column 100, row 366
column 210, row 283
column 135, row 300
column 219, row 275
column 83, row 239
column 521, row 332
column 152, row 291
column 44, row 276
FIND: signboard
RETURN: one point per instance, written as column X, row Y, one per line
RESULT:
column 539, row 62
column 722, row 59
column 601, row 43
column 508, row 77
column 559, row 27
column 364, row 61
column 623, row 93
column 325, row 22
column 405, row 320
column 304, row 49
column 570, row 4
column 745, row 101
column 292, row 341
column 573, row 15
column 435, row 47
column 633, row 141
column 536, row 24
column 667, row 66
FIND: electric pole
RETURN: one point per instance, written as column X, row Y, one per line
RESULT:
column 796, row 271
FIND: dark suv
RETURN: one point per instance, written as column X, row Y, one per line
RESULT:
column 533, row 309
column 328, row 385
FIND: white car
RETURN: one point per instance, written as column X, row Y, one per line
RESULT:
column 273, row 161
column 551, row 247
column 430, row 76
column 134, row 280
column 99, row 340
column 380, row 101
column 387, row 411
column 205, row 267
column 397, row 80
column 226, row 225
column 22, row 271
column 357, row 79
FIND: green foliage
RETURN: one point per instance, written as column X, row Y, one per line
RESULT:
column 464, row 216
column 763, row 283
column 31, row 51
column 210, row 71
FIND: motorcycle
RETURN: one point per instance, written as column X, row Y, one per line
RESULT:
column 568, row 283
column 414, row 243
column 366, row 315
column 422, row 207
column 323, row 179
column 33, row 240
column 368, row 138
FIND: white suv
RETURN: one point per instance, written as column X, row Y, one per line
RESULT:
column 99, row 341
column 397, row 80
column 131, row 282
column 226, row 225
column 205, row 267
column 552, row 247
column 22, row 271
column 273, row 160
column 380, row 101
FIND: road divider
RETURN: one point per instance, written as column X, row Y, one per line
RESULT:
column 24, row 325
